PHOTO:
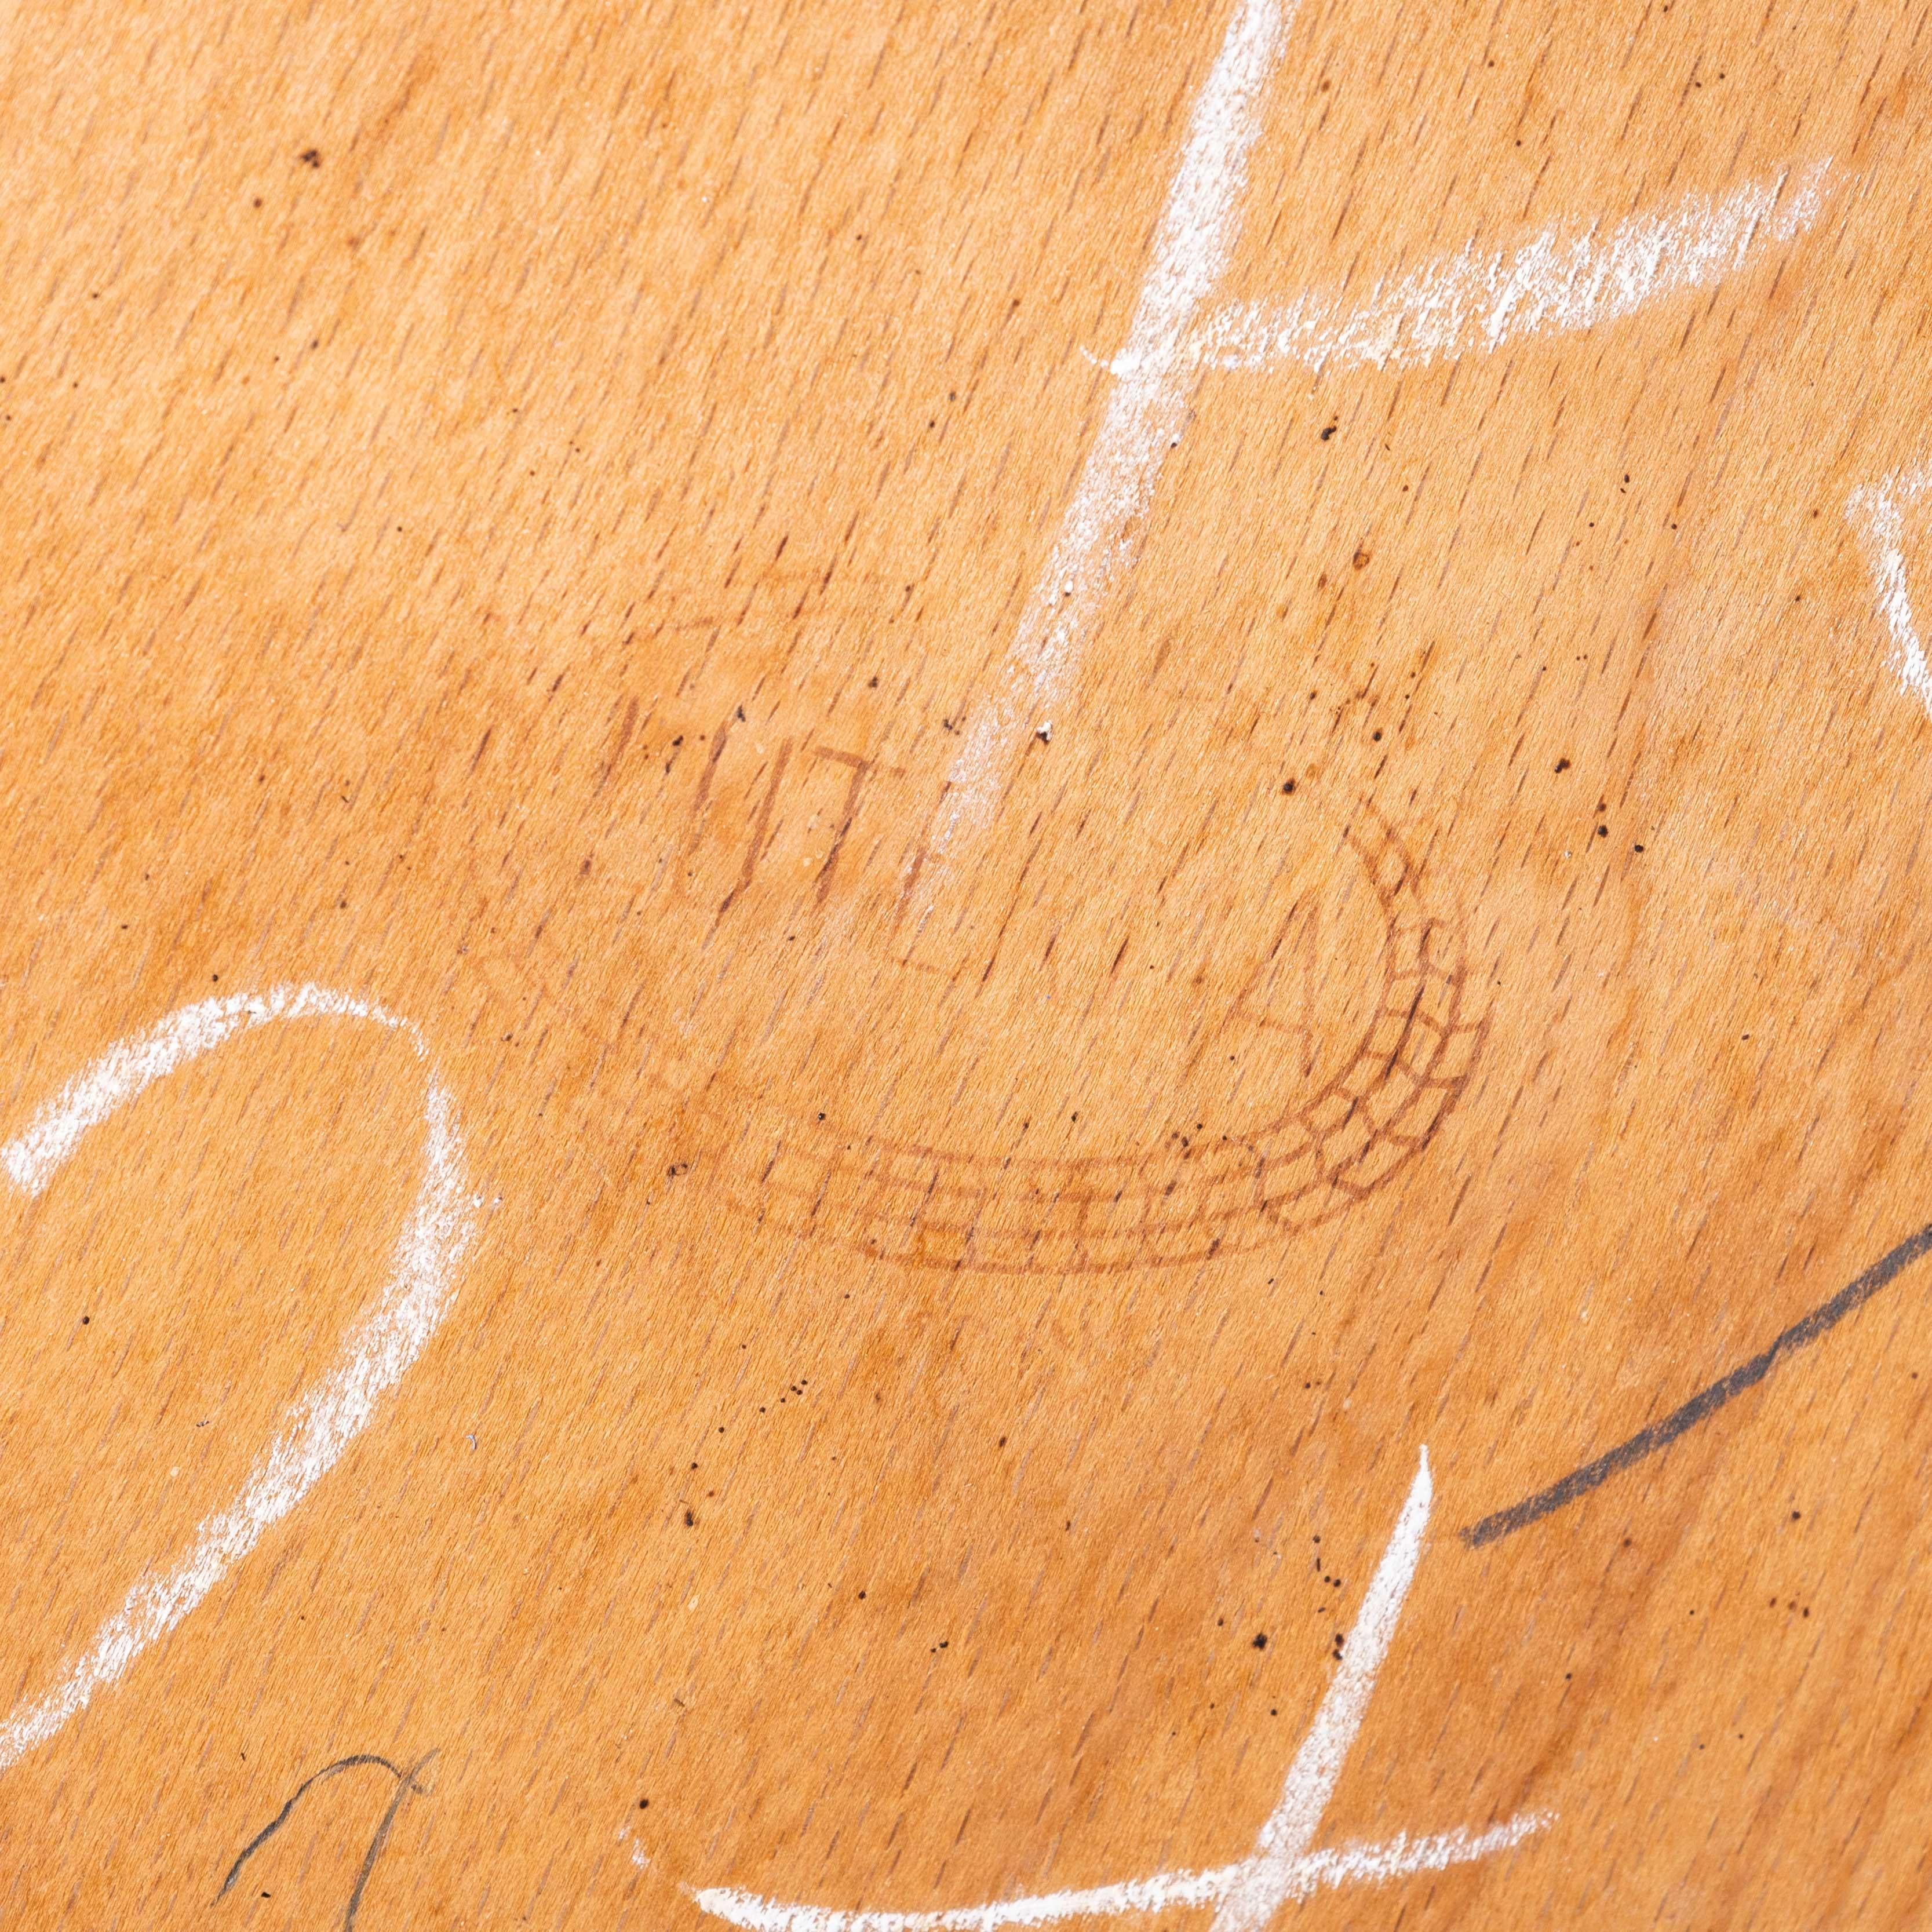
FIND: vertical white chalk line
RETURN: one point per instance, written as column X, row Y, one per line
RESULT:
column 1465, row 304
column 1248, row 1892
column 1269, row 1878
column 1197, row 234
column 1877, row 511
column 374, row 1354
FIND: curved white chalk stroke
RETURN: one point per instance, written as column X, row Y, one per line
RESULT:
column 1281, row 1867
column 1467, row 304
column 322, row 1424
column 1167, row 1892
column 1878, row 511
column 1143, row 420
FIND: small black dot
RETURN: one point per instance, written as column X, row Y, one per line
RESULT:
column 1261, row 1639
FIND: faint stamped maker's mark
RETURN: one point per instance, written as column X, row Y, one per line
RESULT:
column 1340, row 1136
column 1274, row 1014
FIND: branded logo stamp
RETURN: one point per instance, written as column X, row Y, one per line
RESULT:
column 1151, row 1038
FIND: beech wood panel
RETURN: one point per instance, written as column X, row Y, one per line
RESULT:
column 514, row 514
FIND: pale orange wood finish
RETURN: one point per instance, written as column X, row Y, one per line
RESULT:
column 512, row 514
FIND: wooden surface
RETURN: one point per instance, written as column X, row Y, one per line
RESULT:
column 512, row 515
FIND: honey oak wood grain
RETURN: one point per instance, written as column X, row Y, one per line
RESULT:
column 513, row 514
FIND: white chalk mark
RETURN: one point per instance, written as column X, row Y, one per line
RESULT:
column 124, row 1071
column 1291, row 1829
column 1281, row 1867
column 1168, row 1892
column 322, row 1423
column 1467, row 304
column 1143, row 420
column 1878, row 512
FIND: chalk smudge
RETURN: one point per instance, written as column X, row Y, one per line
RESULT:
column 1877, row 511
